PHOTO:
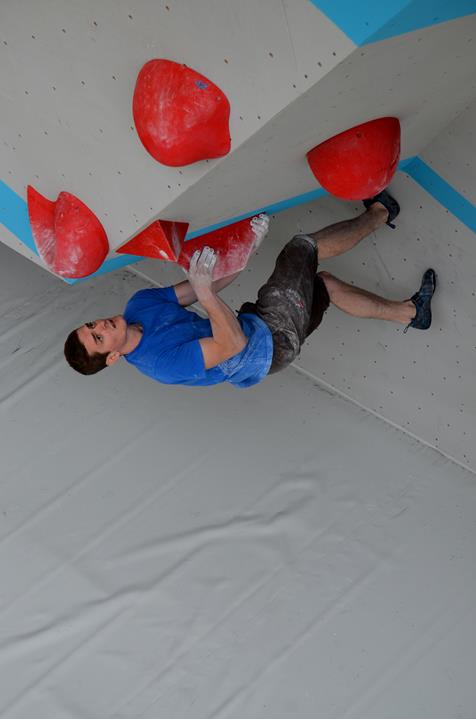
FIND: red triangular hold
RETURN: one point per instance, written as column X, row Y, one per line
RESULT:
column 161, row 240
column 233, row 245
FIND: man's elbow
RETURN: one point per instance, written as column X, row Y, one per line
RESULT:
column 236, row 346
column 242, row 342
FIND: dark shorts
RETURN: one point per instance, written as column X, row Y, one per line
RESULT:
column 293, row 300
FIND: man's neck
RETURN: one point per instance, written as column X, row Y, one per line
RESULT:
column 134, row 336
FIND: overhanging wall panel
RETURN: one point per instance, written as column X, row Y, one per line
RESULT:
column 393, row 77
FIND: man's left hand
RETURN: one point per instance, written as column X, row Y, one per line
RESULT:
column 200, row 273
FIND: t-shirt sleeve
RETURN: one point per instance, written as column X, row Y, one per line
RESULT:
column 144, row 299
column 168, row 294
column 155, row 294
column 181, row 363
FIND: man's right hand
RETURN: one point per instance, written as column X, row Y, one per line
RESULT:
column 200, row 273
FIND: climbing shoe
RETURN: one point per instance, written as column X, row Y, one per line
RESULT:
column 388, row 202
column 422, row 302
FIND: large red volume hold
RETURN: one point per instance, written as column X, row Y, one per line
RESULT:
column 233, row 245
column 360, row 162
column 161, row 240
column 69, row 237
column 181, row 117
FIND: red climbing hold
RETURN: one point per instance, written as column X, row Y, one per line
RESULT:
column 161, row 240
column 181, row 117
column 360, row 162
column 69, row 237
column 233, row 245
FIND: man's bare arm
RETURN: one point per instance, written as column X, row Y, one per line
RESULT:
column 228, row 339
column 186, row 295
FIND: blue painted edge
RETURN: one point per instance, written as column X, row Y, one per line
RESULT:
column 113, row 263
column 14, row 216
column 446, row 195
column 14, row 211
column 269, row 209
column 375, row 20
column 278, row 206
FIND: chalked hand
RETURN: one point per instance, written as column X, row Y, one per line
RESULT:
column 201, row 268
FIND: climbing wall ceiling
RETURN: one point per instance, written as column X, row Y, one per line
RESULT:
column 293, row 75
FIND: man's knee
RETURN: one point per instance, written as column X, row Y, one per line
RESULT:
column 302, row 237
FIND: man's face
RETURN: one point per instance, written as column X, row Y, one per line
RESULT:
column 105, row 336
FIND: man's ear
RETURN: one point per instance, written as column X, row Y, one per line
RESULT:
column 112, row 358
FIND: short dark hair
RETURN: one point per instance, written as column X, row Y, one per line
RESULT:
column 79, row 359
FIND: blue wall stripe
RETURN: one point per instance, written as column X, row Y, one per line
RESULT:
column 446, row 195
column 374, row 20
column 14, row 212
column 14, row 216
column 269, row 209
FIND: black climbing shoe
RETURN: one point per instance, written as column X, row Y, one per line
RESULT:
column 388, row 202
column 422, row 302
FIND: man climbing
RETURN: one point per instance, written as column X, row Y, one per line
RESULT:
column 172, row 345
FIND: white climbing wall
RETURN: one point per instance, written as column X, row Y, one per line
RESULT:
column 451, row 154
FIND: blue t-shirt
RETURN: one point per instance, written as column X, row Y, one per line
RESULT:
column 170, row 352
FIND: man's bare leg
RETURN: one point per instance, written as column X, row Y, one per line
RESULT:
column 342, row 236
column 360, row 303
